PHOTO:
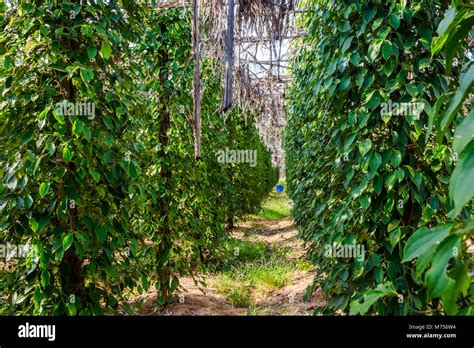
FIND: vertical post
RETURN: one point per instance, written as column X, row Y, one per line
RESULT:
column 166, row 177
column 229, row 58
column 197, row 81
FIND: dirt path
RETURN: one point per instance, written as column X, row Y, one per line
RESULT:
column 285, row 300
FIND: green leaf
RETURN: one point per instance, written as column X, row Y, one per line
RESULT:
column 132, row 170
column 374, row 49
column 12, row 183
column 447, row 21
column 412, row 89
column 6, row 62
column 33, row 224
column 393, row 225
column 95, row 174
column 347, row 43
column 424, row 63
column 44, row 279
column 77, row 127
column 390, row 180
column 375, row 162
column 464, row 133
column 369, row 14
column 71, row 309
column 387, row 50
column 423, row 239
column 395, row 158
column 436, row 278
column 348, row 142
column 87, row 133
column 394, row 237
column 43, row 189
column 108, row 123
column 364, row 147
column 433, row 115
column 37, row 296
column 82, row 238
column 106, row 50
column 462, row 282
column 100, row 233
column 400, row 174
column 345, row 83
column 466, row 228
column 377, row 23
column 466, row 85
column 370, row 297
column 389, row 66
column 28, row 202
column 51, row 91
column 394, row 21
column 455, row 39
column 461, row 188
column 382, row 33
column 365, row 201
column 174, row 284
column 134, row 247
column 86, row 75
column 112, row 272
column 424, row 260
column 68, row 153
column 91, row 52
column 109, row 140
column 67, row 241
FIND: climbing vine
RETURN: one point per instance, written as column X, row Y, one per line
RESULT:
column 98, row 178
column 362, row 167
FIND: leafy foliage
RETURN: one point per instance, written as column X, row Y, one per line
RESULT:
column 449, row 285
column 114, row 203
column 452, row 33
column 361, row 175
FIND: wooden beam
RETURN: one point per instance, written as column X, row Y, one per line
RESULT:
column 227, row 99
column 253, row 39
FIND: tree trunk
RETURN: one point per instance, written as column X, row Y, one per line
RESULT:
column 72, row 279
column 197, row 81
column 166, row 244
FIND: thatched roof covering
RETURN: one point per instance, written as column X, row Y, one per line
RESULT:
column 263, row 31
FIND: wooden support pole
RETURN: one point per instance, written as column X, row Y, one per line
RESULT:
column 197, row 81
column 227, row 99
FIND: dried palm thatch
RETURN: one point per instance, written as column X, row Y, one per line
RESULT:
column 261, row 50
column 167, row 4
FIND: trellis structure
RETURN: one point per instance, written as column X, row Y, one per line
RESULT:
column 253, row 41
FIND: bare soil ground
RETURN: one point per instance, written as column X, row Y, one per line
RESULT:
column 287, row 300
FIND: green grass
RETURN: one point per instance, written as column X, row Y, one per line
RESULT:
column 275, row 207
column 253, row 267
column 242, row 250
column 255, row 311
column 305, row 265
column 270, row 275
column 269, row 272
column 260, row 275
column 240, row 297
